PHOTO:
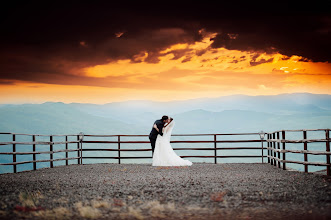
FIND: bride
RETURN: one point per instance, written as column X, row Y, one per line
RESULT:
column 164, row 155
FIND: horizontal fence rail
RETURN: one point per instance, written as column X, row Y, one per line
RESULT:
column 213, row 139
column 277, row 143
column 35, row 143
column 276, row 147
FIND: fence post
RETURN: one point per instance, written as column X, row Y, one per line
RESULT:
column 327, row 137
column 34, row 150
column 51, row 149
column 78, row 150
column 14, row 155
column 271, row 151
column 273, row 148
column 305, row 148
column 81, row 137
column 262, row 136
column 278, row 148
column 66, row 151
column 81, row 152
column 284, row 158
column 119, row 148
column 268, row 145
column 215, row 149
column 262, row 149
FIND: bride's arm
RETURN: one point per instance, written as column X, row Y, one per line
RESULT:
column 164, row 128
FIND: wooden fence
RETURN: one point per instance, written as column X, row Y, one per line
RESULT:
column 214, row 139
column 34, row 143
column 275, row 154
column 277, row 148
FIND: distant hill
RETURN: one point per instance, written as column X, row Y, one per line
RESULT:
column 236, row 113
column 57, row 118
column 278, row 104
column 230, row 121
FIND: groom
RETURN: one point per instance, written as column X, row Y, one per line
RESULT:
column 153, row 135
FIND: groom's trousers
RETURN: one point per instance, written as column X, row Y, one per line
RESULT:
column 152, row 140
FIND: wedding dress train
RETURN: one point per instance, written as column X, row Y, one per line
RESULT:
column 164, row 155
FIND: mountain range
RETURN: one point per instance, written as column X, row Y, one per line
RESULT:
column 236, row 113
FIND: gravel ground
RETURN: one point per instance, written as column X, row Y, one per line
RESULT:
column 140, row 191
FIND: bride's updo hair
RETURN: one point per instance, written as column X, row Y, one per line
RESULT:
column 164, row 117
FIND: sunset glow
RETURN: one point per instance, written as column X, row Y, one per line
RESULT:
column 165, row 63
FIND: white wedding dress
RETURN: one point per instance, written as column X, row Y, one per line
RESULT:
column 164, row 155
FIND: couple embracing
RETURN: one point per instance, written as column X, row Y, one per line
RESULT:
column 163, row 154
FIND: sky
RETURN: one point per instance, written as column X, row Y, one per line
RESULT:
column 100, row 52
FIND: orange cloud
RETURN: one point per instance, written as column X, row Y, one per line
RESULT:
column 187, row 70
column 197, row 66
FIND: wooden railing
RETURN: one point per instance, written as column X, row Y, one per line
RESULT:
column 34, row 143
column 81, row 142
column 276, row 148
column 213, row 139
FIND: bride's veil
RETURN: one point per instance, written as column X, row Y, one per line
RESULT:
column 168, row 130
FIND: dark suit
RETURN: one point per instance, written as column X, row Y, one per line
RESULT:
column 153, row 135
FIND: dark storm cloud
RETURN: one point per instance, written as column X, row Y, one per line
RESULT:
column 54, row 37
column 255, row 63
column 288, row 34
column 6, row 82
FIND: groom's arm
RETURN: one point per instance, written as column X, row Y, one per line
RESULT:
column 160, row 127
column 155, row 127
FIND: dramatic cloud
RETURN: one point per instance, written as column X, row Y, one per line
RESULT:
column 190, row 46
